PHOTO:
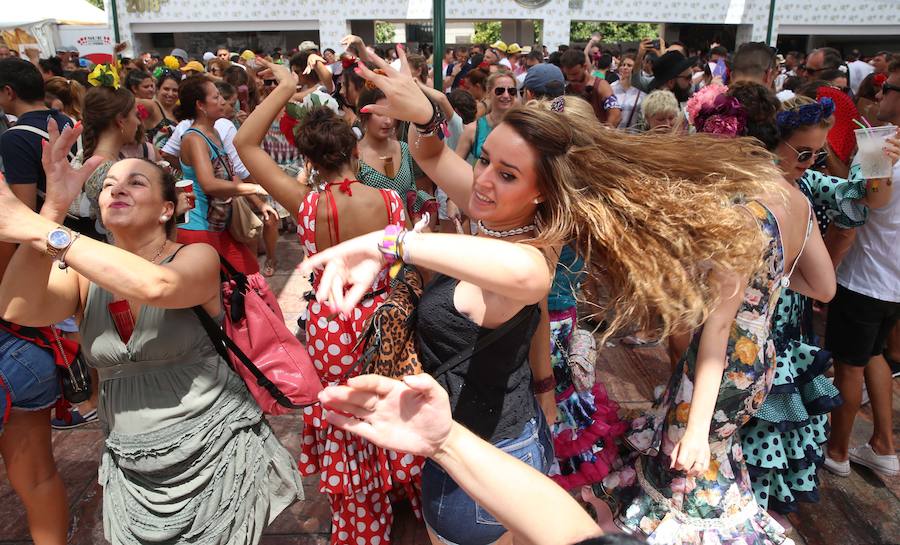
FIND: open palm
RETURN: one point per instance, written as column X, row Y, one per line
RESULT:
column 64, row 182
column 412, row 415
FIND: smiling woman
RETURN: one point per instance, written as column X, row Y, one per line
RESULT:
column 159, row 401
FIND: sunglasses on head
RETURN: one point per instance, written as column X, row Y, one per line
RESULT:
column 511, row 90
column 806, row 155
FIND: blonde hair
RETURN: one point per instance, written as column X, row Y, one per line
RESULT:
column 69, row 92
column 492, row 79
column 649, row 215
column 659, row 102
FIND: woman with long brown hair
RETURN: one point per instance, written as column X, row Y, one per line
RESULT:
column 679, row 237
column 70, row 93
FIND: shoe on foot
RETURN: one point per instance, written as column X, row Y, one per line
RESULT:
column 77, row 420
column 841, row 469
column 886, row 465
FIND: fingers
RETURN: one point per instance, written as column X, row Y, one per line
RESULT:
column 375, row 384
column 369, row 75
column 337, row 293
column 423, row 382
column 353, row 296
column 377, row 109
column 329, row 277
column 674, row 456
column 353, row 425
column 401, row 54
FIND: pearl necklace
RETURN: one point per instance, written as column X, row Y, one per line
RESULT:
column 506, row 234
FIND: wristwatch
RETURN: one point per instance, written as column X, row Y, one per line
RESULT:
column 58, row 240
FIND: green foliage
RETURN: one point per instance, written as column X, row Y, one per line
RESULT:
column 486, row 32
column 384, row 32
column 581, row 31
column 97, row 3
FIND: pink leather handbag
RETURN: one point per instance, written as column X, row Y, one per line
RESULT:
column 275, row 365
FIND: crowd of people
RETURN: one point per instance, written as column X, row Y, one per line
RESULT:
column 724, row 204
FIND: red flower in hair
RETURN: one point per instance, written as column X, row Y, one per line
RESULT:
column 142, row 112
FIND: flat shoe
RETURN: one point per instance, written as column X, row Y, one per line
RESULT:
column 885, row 465
column 841, row 469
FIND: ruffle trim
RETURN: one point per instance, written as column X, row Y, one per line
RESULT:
column 606, row 426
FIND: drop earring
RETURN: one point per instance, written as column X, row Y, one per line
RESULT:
column 163, row 219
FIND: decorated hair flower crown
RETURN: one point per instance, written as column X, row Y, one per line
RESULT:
column 104, row 75
column 808, row 114
column 726, row 116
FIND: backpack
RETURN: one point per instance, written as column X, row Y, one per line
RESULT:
column 81, row 207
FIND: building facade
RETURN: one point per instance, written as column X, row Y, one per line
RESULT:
column 199, row 25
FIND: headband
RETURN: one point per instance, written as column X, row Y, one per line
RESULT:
column 808, row 114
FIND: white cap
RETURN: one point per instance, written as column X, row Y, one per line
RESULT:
column 208, row 56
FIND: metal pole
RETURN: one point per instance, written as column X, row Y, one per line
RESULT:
column 771, row 22
column 439, row 27
column 115, row 20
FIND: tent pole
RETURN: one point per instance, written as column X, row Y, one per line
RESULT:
column 115, row 20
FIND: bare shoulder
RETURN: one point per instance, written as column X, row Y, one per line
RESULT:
column 200, row 255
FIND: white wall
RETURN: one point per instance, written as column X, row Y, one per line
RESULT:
column 332, row 19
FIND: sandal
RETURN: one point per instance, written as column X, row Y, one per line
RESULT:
column 269, row 268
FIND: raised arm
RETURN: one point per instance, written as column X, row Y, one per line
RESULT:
column 282, row 187
column 407, row 102
column 528, row 504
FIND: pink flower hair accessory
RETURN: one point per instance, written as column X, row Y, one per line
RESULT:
column 704, row 97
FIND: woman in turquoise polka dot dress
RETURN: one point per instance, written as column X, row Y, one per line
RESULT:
column 783, row 442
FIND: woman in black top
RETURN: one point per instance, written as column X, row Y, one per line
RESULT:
column 548, row 174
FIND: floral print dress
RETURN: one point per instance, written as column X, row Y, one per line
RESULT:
column 587, row 423
column 717, row 507
column 783, row 441
column 358, row 477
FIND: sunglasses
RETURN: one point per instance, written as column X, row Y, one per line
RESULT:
column 806, row 155
column 511, row 90
column 887, row 88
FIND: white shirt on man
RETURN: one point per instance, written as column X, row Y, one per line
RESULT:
column 872, row 266
column 858, row 72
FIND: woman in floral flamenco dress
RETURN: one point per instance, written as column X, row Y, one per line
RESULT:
column 686, row 481
column 587, row 423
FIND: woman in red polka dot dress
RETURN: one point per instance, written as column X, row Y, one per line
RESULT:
column 359, row 478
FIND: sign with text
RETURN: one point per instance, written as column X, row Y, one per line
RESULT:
column 94, row 44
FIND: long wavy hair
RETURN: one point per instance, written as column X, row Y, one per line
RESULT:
column 102, row 107
column 651, row 214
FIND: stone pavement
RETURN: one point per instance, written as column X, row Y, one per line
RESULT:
column 859, row 510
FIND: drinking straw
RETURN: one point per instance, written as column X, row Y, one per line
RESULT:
column 861, row 126
column 866, row 121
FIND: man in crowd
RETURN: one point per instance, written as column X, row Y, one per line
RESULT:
column 672, row 71
column 223, row 53
column 860, row 319
column 595, row 90
column 534, row 58
column 881, row 60
column 820, row 60
column 716, row 54
column 754, row 62
column 500, row 50
column 457, row 71
column 543, row 80
column 858, row 69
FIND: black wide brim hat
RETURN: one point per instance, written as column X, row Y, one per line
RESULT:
column 668, row 67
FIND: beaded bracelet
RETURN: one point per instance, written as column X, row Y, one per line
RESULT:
column 434, row 124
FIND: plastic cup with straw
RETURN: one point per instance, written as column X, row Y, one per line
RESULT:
column 873, row 162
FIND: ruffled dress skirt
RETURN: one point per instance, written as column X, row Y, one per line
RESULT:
column 195, row 462
column 587, row 423
column 783, row 442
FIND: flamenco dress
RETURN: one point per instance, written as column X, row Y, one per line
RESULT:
column 359, row 478
column 783, row 441
column 587, row 423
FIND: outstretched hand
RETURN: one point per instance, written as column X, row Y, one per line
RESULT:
column 280, row 72
column 405, row 100
column 64, row 182
column 355, row 262
column 412, row 415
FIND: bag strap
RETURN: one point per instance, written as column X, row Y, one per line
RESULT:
column 46, row 136
column 223, row 344
column 334, row 228
column 219, row 152
column 633, row 108
column 488, row 340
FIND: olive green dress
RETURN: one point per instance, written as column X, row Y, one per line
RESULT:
column 189, row 457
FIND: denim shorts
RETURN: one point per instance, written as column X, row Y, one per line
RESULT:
column 453, row 515
column 29, row 376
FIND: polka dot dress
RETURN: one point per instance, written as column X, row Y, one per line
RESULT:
column 783, row 442
column 359, row 478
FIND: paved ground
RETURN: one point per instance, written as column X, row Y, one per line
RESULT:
column 859, row 510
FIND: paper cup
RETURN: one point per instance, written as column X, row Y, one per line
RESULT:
column 873, row 162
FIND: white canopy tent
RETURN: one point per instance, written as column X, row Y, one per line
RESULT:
column 40, row 18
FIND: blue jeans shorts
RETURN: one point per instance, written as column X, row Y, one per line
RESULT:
column 28, row 373
column 453, row 515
